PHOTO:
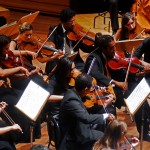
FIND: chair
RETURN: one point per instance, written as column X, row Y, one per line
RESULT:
column 53, row 130
column 105, row 16
column 102, row 14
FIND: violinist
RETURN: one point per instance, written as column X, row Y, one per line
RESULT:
column 16, row 86
column 6, row 140
column 61, row 39
column 75, row 121
column 115, row 138
column 130, row 29
column 105, row 49
column 58, row 83
column 27, row 45
column 4, row 73
column 116, row 6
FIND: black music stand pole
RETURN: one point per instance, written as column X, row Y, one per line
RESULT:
column 31, row 133
column 142, row 128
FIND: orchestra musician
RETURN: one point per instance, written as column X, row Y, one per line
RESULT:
column 19, row 77
column 106, row 52
column 130, row 29
column 105, row 48
column 62, row 42
column 7, row 72
column 115, row 138
column 6, row 140
column 116, row 6
column 29, row 44
column 75, row 121
column 58, row 83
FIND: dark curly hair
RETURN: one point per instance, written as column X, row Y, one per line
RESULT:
column 66, row 14
column 102, row 41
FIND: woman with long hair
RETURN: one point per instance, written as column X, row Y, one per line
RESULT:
column 115, row 138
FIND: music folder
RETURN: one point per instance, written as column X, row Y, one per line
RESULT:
column 32, row 100
column 138, row 96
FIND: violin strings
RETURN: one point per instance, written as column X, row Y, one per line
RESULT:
column 101, row 100
column 81, row 39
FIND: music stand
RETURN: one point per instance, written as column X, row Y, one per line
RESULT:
column 140, row 94
column 27, row 18
column 12, row 28
column 125, row 46
column 8, row 28
column 32, row 102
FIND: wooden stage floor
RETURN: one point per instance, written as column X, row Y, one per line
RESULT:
column 41, row 26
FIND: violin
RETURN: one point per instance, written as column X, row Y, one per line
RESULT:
column 93, row 98
column 118, row 62
column 75, row 72
column 97, row 97
column 9, row 60
column 34, row 44
column 79, row 33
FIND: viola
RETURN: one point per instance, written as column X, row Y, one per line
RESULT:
column 79, row 33
column 118, row 62
column 34, row 44
column 9, row 60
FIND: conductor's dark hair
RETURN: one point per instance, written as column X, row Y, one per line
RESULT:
column 83, row 81
column 66, row 14
column 102, row 41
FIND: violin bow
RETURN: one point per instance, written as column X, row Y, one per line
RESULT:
column 130, row 61
column 89, row 70
column 132, row 147
column 46, row 39
column 8, row 117
column 127, row 74
column 80, row 39
column 139, row 34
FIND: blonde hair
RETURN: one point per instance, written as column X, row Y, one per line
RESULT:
column 112, row 136
column 25, row 27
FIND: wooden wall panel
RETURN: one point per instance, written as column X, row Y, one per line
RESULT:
column 44, row 6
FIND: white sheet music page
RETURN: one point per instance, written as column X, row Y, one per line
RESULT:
column 32, row 100
column 138, row 96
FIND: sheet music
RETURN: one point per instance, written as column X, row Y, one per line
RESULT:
column 137, row 97
column 32, row 100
